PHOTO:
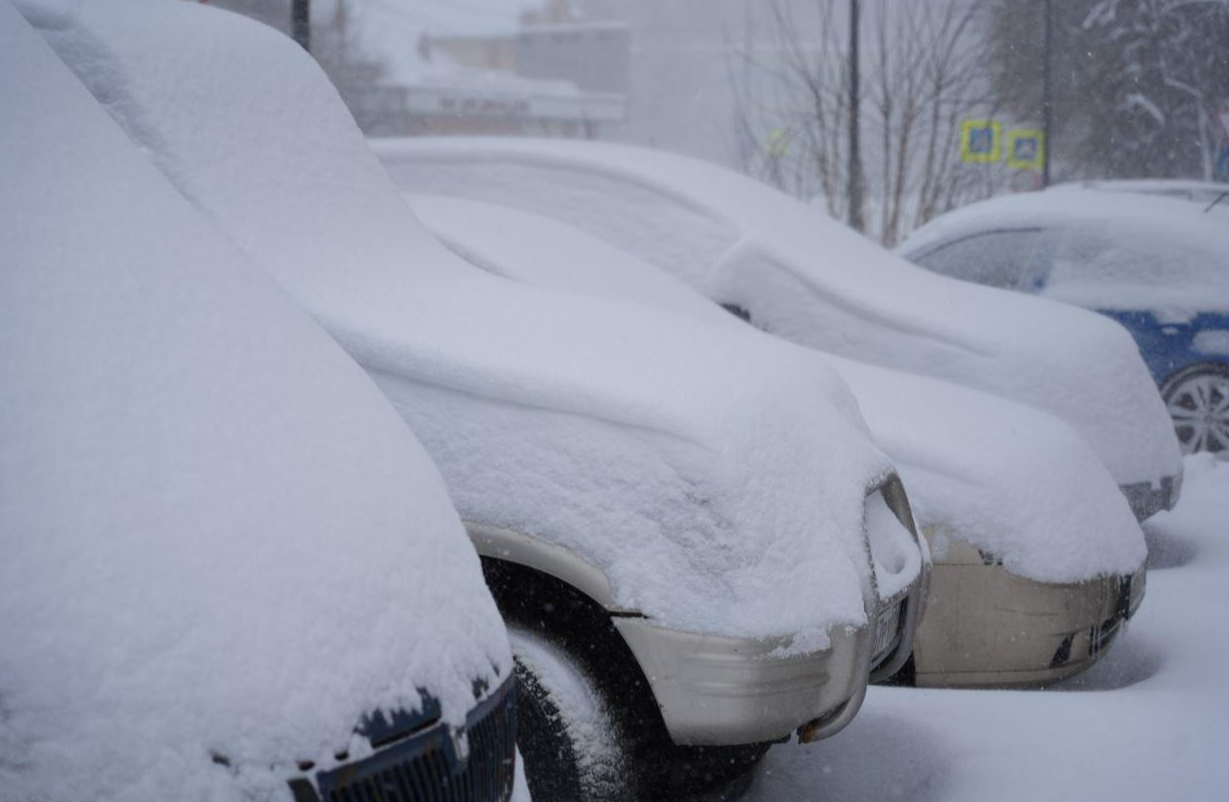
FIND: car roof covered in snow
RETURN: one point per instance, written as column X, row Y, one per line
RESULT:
column 218, row 536
column 1203, row 193
column 714, row 482
column 1108, row 248
column 1050, row 510
column 810, row 279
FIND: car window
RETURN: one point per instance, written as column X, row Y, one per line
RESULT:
column 1014, row 259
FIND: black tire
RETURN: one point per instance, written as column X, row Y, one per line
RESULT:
column 1197, row 398
column 658, row 769
column 571, row 746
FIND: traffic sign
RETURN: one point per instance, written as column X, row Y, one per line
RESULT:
column 778, row 142
column 1025, row 149
column 981, row 141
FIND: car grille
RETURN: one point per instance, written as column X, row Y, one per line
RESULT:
column 426, row 767
column 887, row 631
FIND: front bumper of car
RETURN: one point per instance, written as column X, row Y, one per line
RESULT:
column 985, row 627
column 418, row 760
column 1147, row 499
column 721, row 691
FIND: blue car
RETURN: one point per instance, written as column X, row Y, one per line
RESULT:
column 1156, row 263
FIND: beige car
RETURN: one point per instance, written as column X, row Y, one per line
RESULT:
column 984, row 625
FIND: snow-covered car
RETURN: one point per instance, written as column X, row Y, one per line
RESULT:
column 799, row 274
column 1038, row 560
column 230, row 572
column 1158, row 265
column 1208, row 194
column 708, row 547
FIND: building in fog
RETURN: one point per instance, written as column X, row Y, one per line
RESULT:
column 554, row 79
column 547, row 75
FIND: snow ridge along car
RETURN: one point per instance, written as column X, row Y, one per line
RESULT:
column 799, row 274
column 1140, row 252
column 711, row 549
column 230, row 572
column 1038, row 559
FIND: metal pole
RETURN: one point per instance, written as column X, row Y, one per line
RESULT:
column 855, row 154
column 1047, row 98
column 300, row 23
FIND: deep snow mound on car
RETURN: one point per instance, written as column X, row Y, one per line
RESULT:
column 1017, row 483
column 1110, row 249
column 719, row 485
column 218, row 537
column 808, row 278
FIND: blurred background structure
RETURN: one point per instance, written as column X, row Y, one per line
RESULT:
column 1140, row 88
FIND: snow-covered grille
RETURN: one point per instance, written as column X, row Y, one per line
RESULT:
column 425, row 766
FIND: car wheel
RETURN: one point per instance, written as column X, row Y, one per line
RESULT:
column 1198, row 401
column 571, row 746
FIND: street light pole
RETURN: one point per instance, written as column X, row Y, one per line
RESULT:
column 855, row 154
column 300, row 23
column 1047, row 97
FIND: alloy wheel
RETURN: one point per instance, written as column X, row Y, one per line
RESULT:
column 1198, row 402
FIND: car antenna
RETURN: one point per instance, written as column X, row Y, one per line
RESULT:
column 1219, row 198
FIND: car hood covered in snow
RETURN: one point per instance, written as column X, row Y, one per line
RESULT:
column 807, row 278
column 217, row 535
column 720, row 486
column 1110, row 249
column 1013, row 481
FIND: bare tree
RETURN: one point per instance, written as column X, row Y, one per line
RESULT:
column 923, row 77
column 354, row 71
column 1141, row 81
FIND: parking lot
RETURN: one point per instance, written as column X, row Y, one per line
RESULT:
column 376, row 430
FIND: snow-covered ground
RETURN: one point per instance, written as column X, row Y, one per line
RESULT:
column 1148, row 723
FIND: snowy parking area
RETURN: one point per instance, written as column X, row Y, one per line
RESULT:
column 1147, row 723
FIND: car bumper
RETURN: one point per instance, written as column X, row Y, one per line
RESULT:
column 985, row 627
column 1147, row 499
column 720, row 691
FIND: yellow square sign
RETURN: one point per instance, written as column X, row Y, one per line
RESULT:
column 981, row 141
column 1025, row 149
